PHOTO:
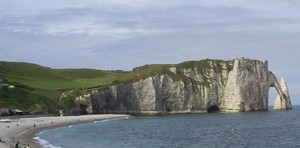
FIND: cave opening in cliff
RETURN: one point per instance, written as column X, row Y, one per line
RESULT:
column 213, row 109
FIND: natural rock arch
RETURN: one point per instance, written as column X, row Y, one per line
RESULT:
column 282, row 101
column 247, row 88
column 203, row 86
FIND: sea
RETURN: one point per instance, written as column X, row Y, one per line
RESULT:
column 266, row 129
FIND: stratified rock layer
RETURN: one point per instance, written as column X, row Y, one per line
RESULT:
column 225, row 86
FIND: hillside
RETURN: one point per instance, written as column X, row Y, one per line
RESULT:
column 38, row 88
column 37, row 76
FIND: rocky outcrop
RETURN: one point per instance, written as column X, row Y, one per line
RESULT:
column 85, row 106
column 283, row 102
column 247, row 87
column 225, row 86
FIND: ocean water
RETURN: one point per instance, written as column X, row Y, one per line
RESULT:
column 217, row 130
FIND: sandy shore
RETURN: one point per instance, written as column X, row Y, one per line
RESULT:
column 23, row 130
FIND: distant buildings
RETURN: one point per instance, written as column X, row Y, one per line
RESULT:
column 11, row 86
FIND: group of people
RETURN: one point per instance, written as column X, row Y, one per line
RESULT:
column 18, row 145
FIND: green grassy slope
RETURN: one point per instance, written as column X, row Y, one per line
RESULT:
column 55, row 79
column 38, row 88
column 30, row 100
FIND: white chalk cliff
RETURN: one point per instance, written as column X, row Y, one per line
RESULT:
column 281, row 103
column 216, row 86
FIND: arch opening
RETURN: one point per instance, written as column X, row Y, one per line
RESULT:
column 271, row 98
column 213, row 109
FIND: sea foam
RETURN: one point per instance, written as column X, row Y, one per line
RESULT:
column 45, row 143
column 102, row 121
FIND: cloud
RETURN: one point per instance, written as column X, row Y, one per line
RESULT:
column 133, row 18
column 130, row 3
column 105, row 18
column 86, row 27
column 92, row 28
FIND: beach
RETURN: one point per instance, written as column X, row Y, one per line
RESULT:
column 23, row 130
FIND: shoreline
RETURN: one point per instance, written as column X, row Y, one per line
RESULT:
column 23, row 130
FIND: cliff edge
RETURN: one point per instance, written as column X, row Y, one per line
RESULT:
column 192, row 87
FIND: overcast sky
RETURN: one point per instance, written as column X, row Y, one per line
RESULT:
column 123, row 34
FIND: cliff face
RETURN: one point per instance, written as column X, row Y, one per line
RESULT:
column 226, row 86
column 247, row 87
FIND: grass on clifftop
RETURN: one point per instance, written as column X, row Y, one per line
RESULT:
column 146, row 71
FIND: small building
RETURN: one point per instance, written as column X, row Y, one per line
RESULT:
column 13, row 112
column 11, row 86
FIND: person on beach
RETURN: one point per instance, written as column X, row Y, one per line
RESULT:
column 33, row 125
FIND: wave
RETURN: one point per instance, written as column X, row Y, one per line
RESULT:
column 44, row 143
column 106, row 120
column 41, row 132
column 102, row 121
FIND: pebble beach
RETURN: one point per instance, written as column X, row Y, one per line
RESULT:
column 23, row 130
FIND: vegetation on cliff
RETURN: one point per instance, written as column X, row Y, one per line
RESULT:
column 35, row 88
column 146, row 71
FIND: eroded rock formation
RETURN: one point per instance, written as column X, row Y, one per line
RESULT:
column 283, row 102
column 225, row 86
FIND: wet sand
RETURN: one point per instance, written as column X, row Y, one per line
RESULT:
column 23, row 130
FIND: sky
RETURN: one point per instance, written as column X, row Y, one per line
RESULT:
column 123, row 34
